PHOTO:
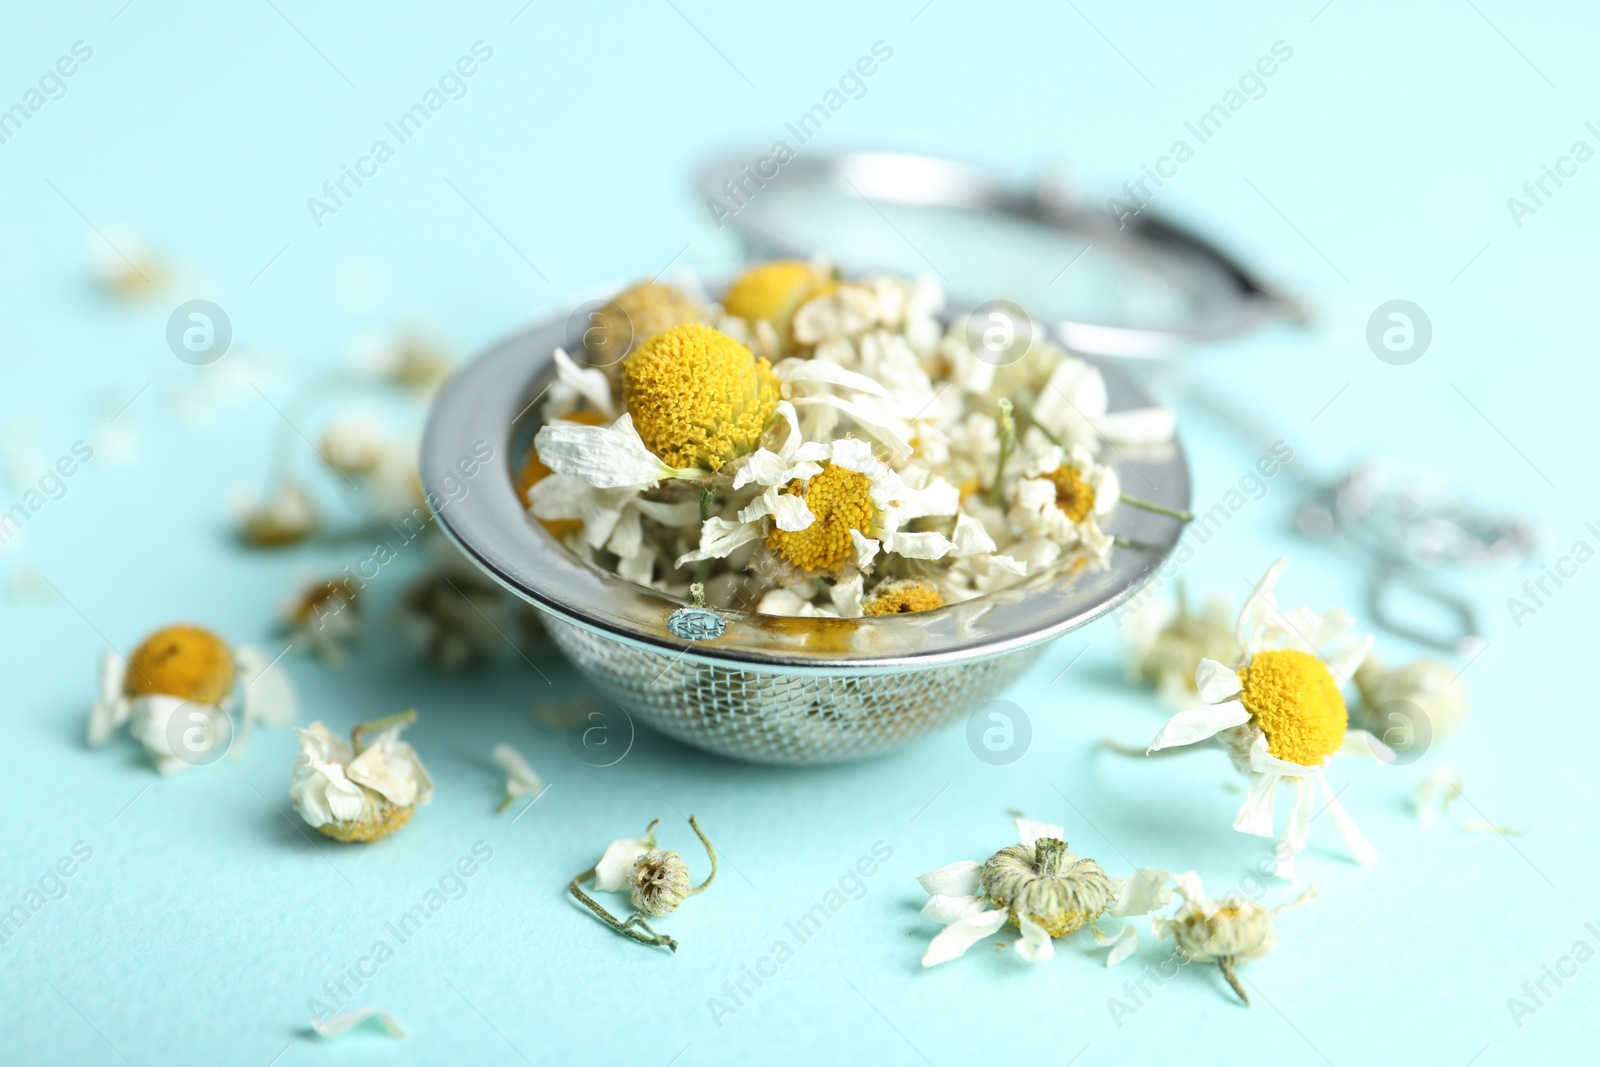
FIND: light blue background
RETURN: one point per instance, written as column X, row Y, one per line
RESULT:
column 1377, row 166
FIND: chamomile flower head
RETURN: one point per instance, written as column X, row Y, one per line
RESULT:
column 634, row 315
column 772, row 292
column 1226, row 932
column 177, row 691
column 361, row 790
column 656, row 880
column 1039, row 887
column 1279, row 714
column 1166, row 640
column 285, row 516
column 1063, row 495
column 697, row 397
column 324, row 617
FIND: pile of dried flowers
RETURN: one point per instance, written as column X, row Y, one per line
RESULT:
column 821, row 446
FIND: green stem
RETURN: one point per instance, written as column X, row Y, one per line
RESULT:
column 708, row 499
column 358, row 736
column 1136, row 502
column 1008, row 443
column 1226, row 963
column 625, row 928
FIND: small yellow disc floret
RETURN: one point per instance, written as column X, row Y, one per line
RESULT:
column 1293, row 698
column 773, row 291
column 181, row 661
column 904, row 595
column 698, row 397
column 1074, row 496
column 841, row 500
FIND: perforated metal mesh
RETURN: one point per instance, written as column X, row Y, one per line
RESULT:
column 777, row 717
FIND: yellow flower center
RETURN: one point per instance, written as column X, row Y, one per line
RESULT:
column 899, row 597
column 698, row 397
column 632, row 317
column 773, row 291
column 1074, row 496
column 181, row 661
column 1293, row 698
column 841, row 500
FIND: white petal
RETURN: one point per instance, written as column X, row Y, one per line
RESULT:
column 389, row 767
column 854, row 454
column 627, row 537
column 588, row 382
column 846, row 595
column 269, row 695
column 928, row 545
column 946, row 910
column 938, row 498
column 955, row 939
column 615, row 869
column 1034, row 944
column 1187, row 885
column 763, row 467
column 718, row 537
column 866, row 549
column 871, row 418
column 1123, row 944
column 953, row 879
column 1216, row 682
column 1256, row 813
column 1344, row 664
column 970, row 538
column 334, row 1025
column 1298, row 830
column 1263, row 761
column 1029, row 831
column 113, row 674
column 104, row 718
column 1354, row 840
column 606, row 457
column 821, row 370
column 790, row 512
column 1142, row 892
column 1259, row 607
column 521, row 780
column 1197, row 724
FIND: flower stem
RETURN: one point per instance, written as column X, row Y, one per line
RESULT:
column 1226, row 963
column 1147, row 505
column 711, row 852
column 1008, row 442
column 708, row 498
column 627, row 928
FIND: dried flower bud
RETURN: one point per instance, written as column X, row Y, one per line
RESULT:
column 660, row 882
column 1048, row 885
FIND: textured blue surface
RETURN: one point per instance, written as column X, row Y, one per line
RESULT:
column 1376, row 165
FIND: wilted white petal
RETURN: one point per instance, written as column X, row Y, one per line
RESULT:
column 1264, row 762
column 334, row 1025
column 820, row 370
column 1123, row 944
column 606, row 457
column 1216, row 682
column 1354, row 840
column 615, row 869
column 960, row 878
column 866, row 549
column 718, row 537
column 955, row 939
column 521, row 780
column 970, row 538
column 929, row 545
column 1256, row 813
column 1197, row 724
column 588, row 382
column 1035, row 944
column 1142, row 892
column 946, row 910
column 1139, row 426
column 1362, row 744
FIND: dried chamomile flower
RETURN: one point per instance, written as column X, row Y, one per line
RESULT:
column 1062, row 497
column 285, row 517
column 1226, row 932
column 1040, row 888
column 125, row 268
column 455, row 617
column 324, row 618
column 698, row 398
column 521, row 780
column 773, row 292
column 1280, row 716
column 177, row 692
column 1412, row 706
column 634, row 316
column 361, row 790
column 1167, row 640
column 413, row 361
column 353, row 445
column 657, row 882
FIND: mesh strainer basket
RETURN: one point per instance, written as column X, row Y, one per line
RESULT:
column 759, row 687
